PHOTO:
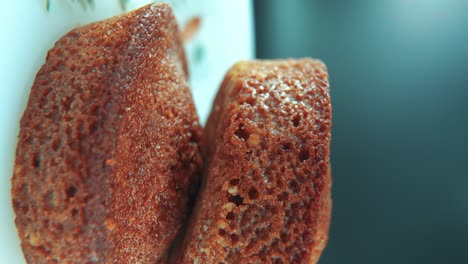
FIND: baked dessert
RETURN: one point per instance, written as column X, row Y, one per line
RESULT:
column 265, row 197
column 108, row 152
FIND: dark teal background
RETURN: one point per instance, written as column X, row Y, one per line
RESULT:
column 399, row 79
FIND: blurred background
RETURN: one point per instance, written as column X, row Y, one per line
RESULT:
column 399, row 79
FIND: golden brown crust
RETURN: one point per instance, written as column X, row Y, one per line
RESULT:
column 108, row 149
column 321, row 237
column 266, row 195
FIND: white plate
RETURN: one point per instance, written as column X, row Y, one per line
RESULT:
column 28, row 30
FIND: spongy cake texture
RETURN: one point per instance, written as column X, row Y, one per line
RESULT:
column 266, row 194
column 108, row 151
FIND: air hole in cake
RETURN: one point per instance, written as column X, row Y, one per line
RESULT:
column 93, row 127
column 293, row 186
column 266, row 177
column 282, row 197
column 286, row 146
column 279, row 183
column 300, row 177
column 222, row 232
column 24, row 188
column 94, row 110
column 74, row 212
column 251, row 101
column 241, row 133
column 262, row 254
column 304, row 155
column 37, row 160
column 193, row 137
column 172, row 167
column 306, row 218
column 270, row 191
column 296, row 120
column 255, row 176
column 43, row 250
column 29, row 140
column 262, row 233
column 322, row 128
column 295, row 258
column 274, row 244
column 73, row 67
column 234, row 182
column 274, row 210
column 23, row 208
column 54, row 112
column 237, row 199
column 230, row 216
column 253, row 193
column 37, row 125
column 284, row 237
column 234, row 238
column 55, row 144
column 58, row 227
column 71, row 191
column 305, row 235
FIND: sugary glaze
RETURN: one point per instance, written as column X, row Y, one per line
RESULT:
column 265, row 197
column 108, row 150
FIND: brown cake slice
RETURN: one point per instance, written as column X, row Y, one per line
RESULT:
column 266, row 195
column 108, row 150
